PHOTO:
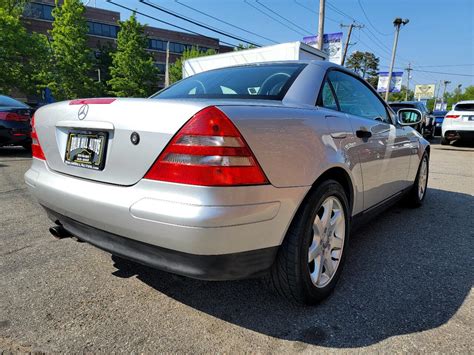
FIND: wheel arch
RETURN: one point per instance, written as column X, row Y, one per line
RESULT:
column 340, row 175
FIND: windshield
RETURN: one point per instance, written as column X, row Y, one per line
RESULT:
column 464, row 107
column 265, row 81
column 6, row 101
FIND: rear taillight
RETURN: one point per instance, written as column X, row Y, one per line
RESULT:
column 13, row 116
column 208, row 151
column 36, row 150
column 452, row 116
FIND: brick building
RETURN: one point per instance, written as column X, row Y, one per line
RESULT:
column 103, row 29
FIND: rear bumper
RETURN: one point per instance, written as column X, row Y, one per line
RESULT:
column 14, row 136
column 183, row 218
column 452, row 135
column 231, row 266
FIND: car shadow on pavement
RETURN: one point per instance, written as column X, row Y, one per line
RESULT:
column 14, row 152
column 405, row 273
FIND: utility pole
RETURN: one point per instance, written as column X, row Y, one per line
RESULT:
column 436, row 95
column 321, row 24
column 167, row 65
column 351, row 26
column 409, row 69
column 445, row 83
column 398, row 22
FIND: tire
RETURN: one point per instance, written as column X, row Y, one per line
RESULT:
column 444, row 141
column 415, row 197
column 292, row 272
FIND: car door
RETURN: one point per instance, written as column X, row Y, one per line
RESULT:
column 383, row 146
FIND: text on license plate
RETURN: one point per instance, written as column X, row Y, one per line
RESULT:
column 86, row 150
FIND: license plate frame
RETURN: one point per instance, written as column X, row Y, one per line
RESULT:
column 86, row 149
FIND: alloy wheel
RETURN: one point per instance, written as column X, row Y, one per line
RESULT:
column 325, row 250
column 422, row 178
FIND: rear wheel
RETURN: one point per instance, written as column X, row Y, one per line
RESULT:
column 417, row 193
column 444, row 141
column 310, row 260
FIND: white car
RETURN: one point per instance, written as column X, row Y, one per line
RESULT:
column 458, row 124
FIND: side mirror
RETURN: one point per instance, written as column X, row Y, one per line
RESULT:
column 409, row 116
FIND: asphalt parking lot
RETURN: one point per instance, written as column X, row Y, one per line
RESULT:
column 407, row 285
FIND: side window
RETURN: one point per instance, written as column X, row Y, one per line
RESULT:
column 356, row 98
column 326, row 97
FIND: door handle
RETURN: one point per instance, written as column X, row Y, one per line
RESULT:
column 362, row 133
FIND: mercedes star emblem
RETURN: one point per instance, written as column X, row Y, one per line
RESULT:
column 83, row 111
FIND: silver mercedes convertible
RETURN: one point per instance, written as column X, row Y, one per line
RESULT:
column 246, row 171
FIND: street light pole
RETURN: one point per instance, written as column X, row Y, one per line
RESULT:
column 398, row 22
column 321, row 24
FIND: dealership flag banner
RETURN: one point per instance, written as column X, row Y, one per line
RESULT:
column 426, row 91
column 395, row 84
column 332, row 45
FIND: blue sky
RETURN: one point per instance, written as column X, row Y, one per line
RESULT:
column 438, row 38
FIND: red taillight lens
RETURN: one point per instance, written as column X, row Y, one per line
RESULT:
column 452, row 116
column 12, row 116
column 36, row 150
column 208, row 151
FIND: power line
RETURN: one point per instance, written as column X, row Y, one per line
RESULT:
column 370, row 22
column 445, row 65
column 335, row 9
column 284, row 18
column 273, row 18
column 437, row 72
column 164, row 22
column 213, row 29
column 313, row 11
column 225, row 22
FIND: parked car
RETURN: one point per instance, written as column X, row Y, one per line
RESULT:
column 458, row 123
column 426, row 127
column 206, row 180
column 438, row 121
column 15, row 126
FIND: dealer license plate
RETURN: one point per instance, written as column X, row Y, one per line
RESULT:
column 86, row 150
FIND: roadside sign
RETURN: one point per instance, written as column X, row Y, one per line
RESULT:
column 395, row 84
column 332, row 45
column 425, row 91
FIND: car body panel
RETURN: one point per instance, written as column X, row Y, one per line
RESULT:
column 191, row 219
column 460, row 127
column 294, row 141
column 15, row 132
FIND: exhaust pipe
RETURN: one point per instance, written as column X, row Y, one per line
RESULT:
column 59, row 232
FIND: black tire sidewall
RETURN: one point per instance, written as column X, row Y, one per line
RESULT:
column 313, row 204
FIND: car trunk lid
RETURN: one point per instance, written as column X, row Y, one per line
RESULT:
column 124, row 162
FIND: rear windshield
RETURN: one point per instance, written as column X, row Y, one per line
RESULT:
column 6, row 101
column 265, row 81
column 464, row 107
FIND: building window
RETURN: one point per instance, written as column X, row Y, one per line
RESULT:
column 175, row 47
column 39, row 11
column 102, row 29
column 161, row 68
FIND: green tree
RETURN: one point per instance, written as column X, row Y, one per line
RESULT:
column 103, row 64
column 133, row 70
column 366, row 64
column 241, row 47
column 176, row 69
column 73, row 61
column 23, row 55
column 400, row 96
